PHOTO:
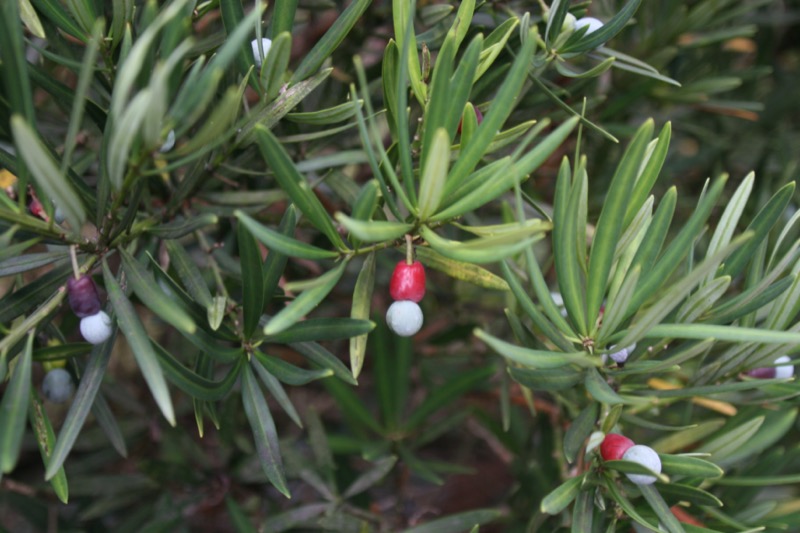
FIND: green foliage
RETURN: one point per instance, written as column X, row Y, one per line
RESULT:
column 246, row 221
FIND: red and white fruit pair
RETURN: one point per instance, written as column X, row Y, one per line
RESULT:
column 615, row 447
column 407, row 287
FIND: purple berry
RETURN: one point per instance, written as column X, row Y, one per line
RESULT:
column 83, row 297
column 782, row 371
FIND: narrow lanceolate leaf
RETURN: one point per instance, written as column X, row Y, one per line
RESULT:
column 730, row 218
column 264, row 432
column 662, row 510
column 45, row 172
column 24, row 263
column 362, row 300
column 295, row 185
column 137, row 338
column 180, row 227
column 304, row 303
column 189, row 273
column 579, row 430
column 13, row 407
column 332, row 38
column 537, row 358
column 282, row 243
column 374, row 230
column 462, row 271
column 458, row 522
column 609, row 226
column 276, row 389
column 600, row 389
column 252, row 280
column 685, row 465
column 149, row 293
column 481, row 250
column 434, row 174
column 46, row 438
column 82, row 402
column 561, row 497
column 322, row 329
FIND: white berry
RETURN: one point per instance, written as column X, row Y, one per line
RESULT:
column 404, row 317
column 59, row 215
column 592, row 23
column 96, row 328
column 647, row 457
column 620, row 356
column 169, row 143
column 266, row 44
column 57, row 386
column 783, row 371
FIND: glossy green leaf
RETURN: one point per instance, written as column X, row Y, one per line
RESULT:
column 723, row 333
column 370, row 477
column 232, row 14
column 600, row 389
column 218, row 126
column 374, row 230
column 679, row 492
column 410, row 71
column 45, row 172
column 322, row 329
column 657, row 503
column 685, row 465
column 558, row 500
column 625, row 503
column 360, row 310
column 295, row 185
column 322, row 358
column 579, row 430
column 266, row 437
column 189, row 273
column 481, row 250
column 760, row 226
column 269, row 113
column 88, row 66
column 46, row 439
column 13, row 408
column 181, row 226
column 537, row 358
column 331, row 40
column 607, row 32
column 252, row 276
column 304, row 303
column 458, row 522
column 678, row 292
column 149, row 293
column 547, row 379
column 533, row 312
column 331, row 115
column 290, row 374
column 82, row 402
column 567, row 246
column 609, row 225
column 459, row 270
column 654, row 277
column 26, row 262
column 502, row 105
column 195, row 385
column 730, row 218
column 434, row 174
column 138, row 340
column 275, row 388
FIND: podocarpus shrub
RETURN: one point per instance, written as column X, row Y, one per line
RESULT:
column 241, row 204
